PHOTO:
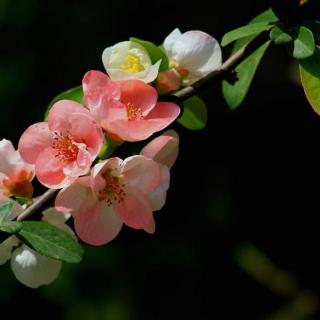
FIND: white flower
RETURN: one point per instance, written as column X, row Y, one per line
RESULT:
column 28, row 266
column 129, row 60
column 193, row 54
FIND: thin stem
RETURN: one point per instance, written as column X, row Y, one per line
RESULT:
column 182, row 94
column 41, row 201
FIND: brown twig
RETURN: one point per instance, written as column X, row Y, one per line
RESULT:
column 42, row 200
column 182, row 94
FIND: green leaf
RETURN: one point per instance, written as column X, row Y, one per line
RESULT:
column 194, row 115
column 303, row 45
column 5, row 211
column 245, row 31
column 51, row 241
column 310, row 78
column 267, row 16
column 74, row 94
column 155, row 53
column 235, row 93
column 279, row 34
column 314, row 26
column 11, row 226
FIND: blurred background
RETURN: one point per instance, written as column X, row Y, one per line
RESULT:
column 239, row 235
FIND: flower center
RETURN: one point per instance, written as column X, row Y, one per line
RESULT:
column 133, row 112
column 133, row 64
column 65, row 147
column 113, row 190
column 182, row 71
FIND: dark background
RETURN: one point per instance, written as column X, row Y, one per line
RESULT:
column 238, row 237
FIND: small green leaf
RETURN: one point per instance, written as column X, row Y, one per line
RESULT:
column 245, row 31
column 303, row 45
column 155, row 53
column 279, row 34
column 51, row 241
column 11, row 226
column 310, row 78
column 194, row 115
column 74, row 94
column 22, row 200
column 267, row 16
column 235, row 93
column 5, row 211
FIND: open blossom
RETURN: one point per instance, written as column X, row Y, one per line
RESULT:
column 118, row 191
column 164, row 150
column 28, row 266
column 128, row 110
column 129, row 60
column 63, row 148
column 193, row 54
column 15, row 174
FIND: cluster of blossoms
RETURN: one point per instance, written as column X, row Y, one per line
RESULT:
column 65, row 152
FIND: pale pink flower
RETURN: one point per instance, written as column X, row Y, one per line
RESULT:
column 63, row 148
column 15, row 174
column 193, row 54
column 128, row 110
column 118, row 191
column 164, row 150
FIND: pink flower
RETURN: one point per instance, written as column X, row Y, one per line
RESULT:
column 15, row 174
column 128, row 110
column 63, row 148
column 164, row 150
column 117, row 192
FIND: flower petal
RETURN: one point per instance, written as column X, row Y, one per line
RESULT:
column 9, row 158
column 32, row 269
column 157, row 198
column 170, row 40
column 34, row 140
column 194, row 49
column 109, row 110
column 163, row 114
column 163, row 149
column 84, row 129
column 151, row 227
column 49, row 170
column 70, row 199
column 6, row 248
column 96, row 223
column 142, row 173
column 135, row 211
column 59, row 115
column 96, row 85
column 138, row 94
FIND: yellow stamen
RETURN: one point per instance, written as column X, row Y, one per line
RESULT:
column 133, row 64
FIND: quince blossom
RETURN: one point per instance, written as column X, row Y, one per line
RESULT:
column 63, row 148
column 15, row 174
column 192, row 54
column 28, row 266
column 129, row 60
column 118, row 191
column 127, row 110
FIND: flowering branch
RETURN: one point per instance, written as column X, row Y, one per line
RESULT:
column 181, row 94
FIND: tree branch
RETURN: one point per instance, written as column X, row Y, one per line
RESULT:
column 182, row 94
